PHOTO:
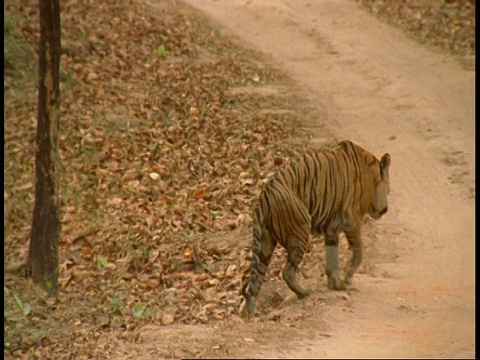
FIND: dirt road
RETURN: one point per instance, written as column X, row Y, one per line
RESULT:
column 393, row 95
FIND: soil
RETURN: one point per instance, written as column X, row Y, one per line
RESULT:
column 373, row 84
column 360, row 70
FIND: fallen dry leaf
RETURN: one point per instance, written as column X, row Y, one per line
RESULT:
column 156, row 153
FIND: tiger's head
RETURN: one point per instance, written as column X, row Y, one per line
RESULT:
column 379, row 205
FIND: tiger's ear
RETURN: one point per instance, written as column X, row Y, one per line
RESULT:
column 385, row 165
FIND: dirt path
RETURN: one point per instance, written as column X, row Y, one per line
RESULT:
column 391, row 95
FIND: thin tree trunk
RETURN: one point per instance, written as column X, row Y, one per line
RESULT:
column 43, row 252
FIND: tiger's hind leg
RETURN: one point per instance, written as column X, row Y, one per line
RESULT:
column 295, row 240
column 296, row 249
column 261, row 256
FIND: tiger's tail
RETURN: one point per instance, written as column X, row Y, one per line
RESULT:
column 261, row 254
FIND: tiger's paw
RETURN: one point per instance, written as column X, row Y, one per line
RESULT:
column 348, row 280
column 304, row 293
column 247, row 308
column 336, row 283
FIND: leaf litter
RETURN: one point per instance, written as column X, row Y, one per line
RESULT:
column 448, row 25
column 161, row 161
column 169, row 130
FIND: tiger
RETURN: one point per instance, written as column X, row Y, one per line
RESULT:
column 326, row 192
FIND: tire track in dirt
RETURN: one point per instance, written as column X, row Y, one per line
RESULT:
column 390, row 94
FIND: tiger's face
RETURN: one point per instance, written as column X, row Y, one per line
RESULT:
column 379, row 205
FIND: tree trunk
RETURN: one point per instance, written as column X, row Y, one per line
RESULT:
column 43, row 252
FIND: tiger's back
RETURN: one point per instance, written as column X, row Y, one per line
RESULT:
column 327, row 192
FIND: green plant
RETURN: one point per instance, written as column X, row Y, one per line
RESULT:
column 10, row 23
column 24, row 308
column 101, row 261
column 161, row 51
column 139, row 310
column 116, row 304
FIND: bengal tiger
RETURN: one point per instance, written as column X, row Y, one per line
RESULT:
column 325, row 192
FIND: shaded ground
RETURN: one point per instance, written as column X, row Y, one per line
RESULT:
column 164, row 150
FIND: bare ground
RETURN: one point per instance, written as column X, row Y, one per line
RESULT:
column 374, row 85
column 368, row 81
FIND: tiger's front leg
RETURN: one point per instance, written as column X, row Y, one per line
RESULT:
column 332, row 267
column 355, row 240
